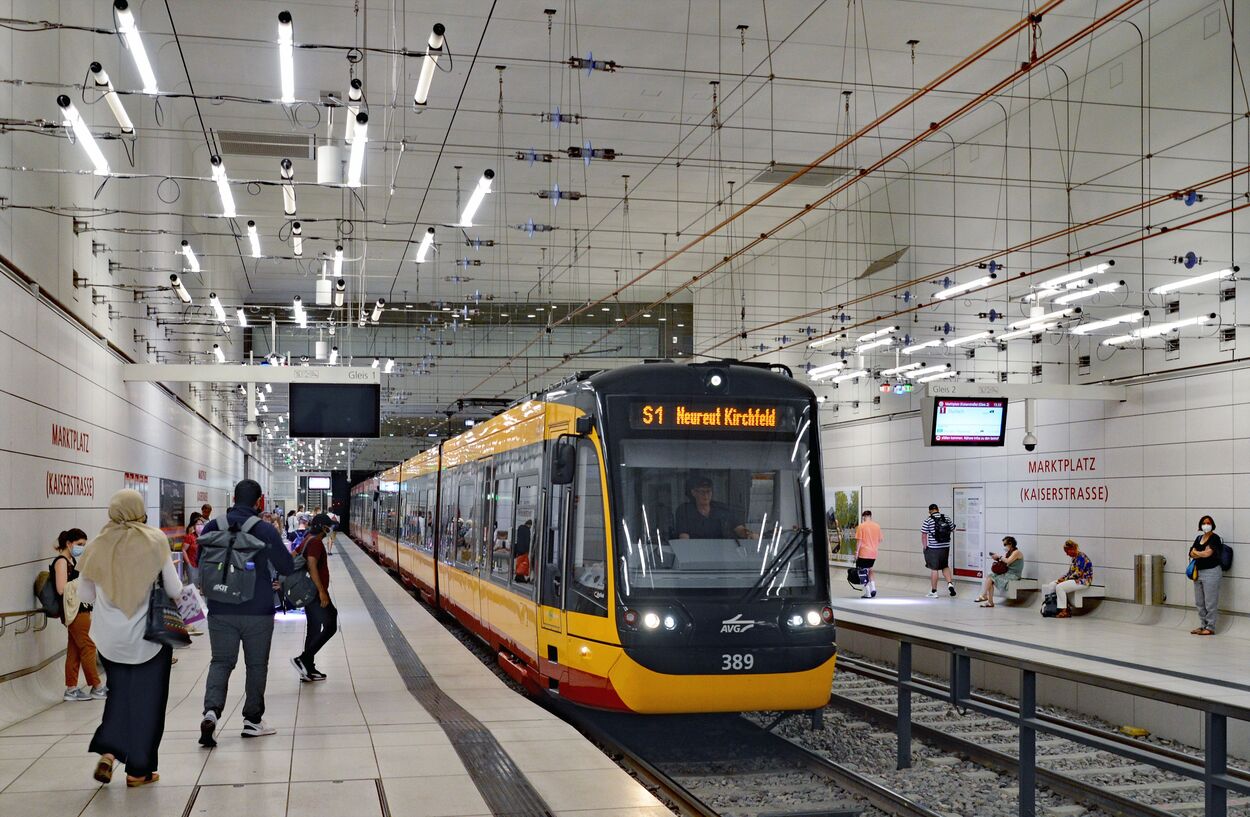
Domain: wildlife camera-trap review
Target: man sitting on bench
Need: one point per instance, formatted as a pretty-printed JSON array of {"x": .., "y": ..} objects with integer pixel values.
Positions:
[{"x": 1080, "y": 575}]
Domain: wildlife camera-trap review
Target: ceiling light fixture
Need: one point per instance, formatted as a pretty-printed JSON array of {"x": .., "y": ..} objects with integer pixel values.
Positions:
[
  {"x": 356, "y": 161},
  {"x": 1197, "y": 279},
  {"x": 1082, "y": 294},
  {"x": 193, "y": 263},
  {"x": 377, "y": 310},
  {"x": 475, "y": 200},
  {"x": 970, "y": 338},
  {"x": 433, "y": 51},
  {"x": 1067, "y": 278},
  {"x": 1031, "y": 329},
  {"x": 176, "y": 283},
  {"x": 287, "y": 168},
  {"x": 130, "y": 33},
  {"x": 967, "y": 286},
  {"x": 286, "y": 56},
  {"x": 105, "y": 87},
  {"x": 876, "y": 344},
  {"x": 932, "y": 377},
  {"x": 1086, "y": 328},
  {"x": 880, "y": 333},
  {"x": 928, "y": 370},
  {"x": 427, "y": 241},
  {"x": 223, "y": 187},
  {"x": 906, "y": 367},
  {"x": 221, "y": 356},
  {"x": 82, "y": 133},
  {"x": 297, "y": 238},
  {"x": 218, "y": 309},
  {"x": 253, "y": 238},
  {"x": 858, "y": 373},
  {"x": 916, "y": 347}
]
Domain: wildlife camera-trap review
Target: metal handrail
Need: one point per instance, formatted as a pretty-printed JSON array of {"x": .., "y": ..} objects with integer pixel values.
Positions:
[
  {"x": 35, "y": 620},
  {"x": 1214, "y": 771}
]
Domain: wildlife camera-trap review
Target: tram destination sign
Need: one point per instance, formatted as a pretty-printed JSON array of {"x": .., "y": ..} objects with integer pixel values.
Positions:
[{"x": 676, "y": 415}]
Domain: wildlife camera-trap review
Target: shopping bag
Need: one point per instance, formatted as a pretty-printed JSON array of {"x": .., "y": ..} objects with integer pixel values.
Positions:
[{"x": 191, "y": 604}]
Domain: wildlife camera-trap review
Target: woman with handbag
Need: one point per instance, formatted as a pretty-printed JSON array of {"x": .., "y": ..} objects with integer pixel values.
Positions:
[
  {"x": 1005, "y": 568},
  {"x": 123, "y": 570},
  {"x": 1205, "y": 556}
]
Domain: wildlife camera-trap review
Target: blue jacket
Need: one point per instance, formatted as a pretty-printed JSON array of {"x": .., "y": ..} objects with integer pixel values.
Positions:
[{"x": 275, "y": 555}]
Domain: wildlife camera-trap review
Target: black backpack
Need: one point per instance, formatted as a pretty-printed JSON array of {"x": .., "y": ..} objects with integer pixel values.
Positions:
[
  {"x": 942, "y": 529},
  {"x": 298, "y": 588},
  {"x": 228, "y": 561},
  {"x": 1050, "y": 606},
  {"x": 45, "y": 593},
  {"x": 1226, "y": 557}
]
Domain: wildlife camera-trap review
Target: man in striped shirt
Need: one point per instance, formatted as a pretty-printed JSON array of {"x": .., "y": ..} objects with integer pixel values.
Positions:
[{"x": 935, "y": 542}]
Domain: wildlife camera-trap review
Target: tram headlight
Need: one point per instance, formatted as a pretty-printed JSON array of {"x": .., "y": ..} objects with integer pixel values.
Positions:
[
  {"x": 651, "y": 621},
  {"x": 670, "y": 623},
  {"x": 813, "y": 618},
  {"x": 795, "y": 620}
]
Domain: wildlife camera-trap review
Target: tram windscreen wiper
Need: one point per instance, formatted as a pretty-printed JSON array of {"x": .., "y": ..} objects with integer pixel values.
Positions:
[{"x": 798, "y": 537}]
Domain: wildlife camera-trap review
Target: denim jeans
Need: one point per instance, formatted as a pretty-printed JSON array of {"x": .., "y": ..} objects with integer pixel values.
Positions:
[
  {"x": 323, "y": 623},
  {"x": 225, "y": 634}
]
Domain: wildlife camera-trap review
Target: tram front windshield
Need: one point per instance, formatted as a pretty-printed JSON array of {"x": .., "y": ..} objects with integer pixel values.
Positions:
[{"x": 716, "y": 511}]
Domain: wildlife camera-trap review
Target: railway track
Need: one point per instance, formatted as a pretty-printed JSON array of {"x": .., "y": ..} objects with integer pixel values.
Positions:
[
  {"x": 1086, "y": 776},
  {"x": 728, "y": 766}
]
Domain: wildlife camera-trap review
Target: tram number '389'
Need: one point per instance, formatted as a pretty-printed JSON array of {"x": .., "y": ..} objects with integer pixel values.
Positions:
[{"x": 736, "y": 661}]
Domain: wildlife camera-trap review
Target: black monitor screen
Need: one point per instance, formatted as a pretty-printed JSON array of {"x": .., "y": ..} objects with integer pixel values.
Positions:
[
  {"x": 334, "y": 410},
  {"x": 969, "y": 421}
]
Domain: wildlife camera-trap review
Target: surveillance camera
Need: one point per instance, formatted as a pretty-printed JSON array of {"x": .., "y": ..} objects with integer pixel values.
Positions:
[
  {"x": 252, "y": 432},
  {"x": 1030, "y": 441}
]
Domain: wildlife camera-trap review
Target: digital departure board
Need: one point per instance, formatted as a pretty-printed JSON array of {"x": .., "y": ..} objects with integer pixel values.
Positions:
[
  {"x": 969, "y": 421},
  {"x": 676, "y": 415}
]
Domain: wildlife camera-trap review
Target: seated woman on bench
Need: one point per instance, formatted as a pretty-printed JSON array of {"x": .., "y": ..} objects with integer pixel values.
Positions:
[{"x": 1013, "y": 561}]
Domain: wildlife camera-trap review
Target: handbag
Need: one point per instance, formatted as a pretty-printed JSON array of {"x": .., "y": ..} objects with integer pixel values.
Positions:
[
  {"x": 1050, "y": 606},
  {"x": 164, "y": 625},
  {"x": 191, "y": 605},
  {"x": 1191, "y": 570},
  {"x": 998, "y": 567},
  {"x": 852, "y": 578}
]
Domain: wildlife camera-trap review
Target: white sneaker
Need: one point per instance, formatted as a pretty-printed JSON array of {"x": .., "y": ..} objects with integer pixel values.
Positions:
[
  {"x": 76, "y": 694},
  {"x": 867, "y": 594},
  {"x": 99, "y": 693},
  {"x": 932, "y": 594},
  {"x": 257, "y": 730}
]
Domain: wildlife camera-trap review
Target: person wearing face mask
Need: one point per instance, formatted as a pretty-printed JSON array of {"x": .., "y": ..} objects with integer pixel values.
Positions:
[
  {"x": 76, "y": 616},
  {"x": 1207, "y": 552}
]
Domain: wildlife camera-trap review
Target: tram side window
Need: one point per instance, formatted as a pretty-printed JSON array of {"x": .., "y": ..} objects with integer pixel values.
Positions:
[
  {"x": 425, "y": 516},
  {"x": 449, "y": 519},
  {"x": 501, "y": 529},
  {"x": 588, "y": 591},
  {"x": 523, "y": 538},
  {"x": 466, "y": 520}
]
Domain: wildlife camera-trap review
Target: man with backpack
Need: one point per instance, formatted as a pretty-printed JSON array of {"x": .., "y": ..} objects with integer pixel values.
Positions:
[
  {"x": 236, "y": 553},
  {"x": 935, "y": 542},
  {"x": 321, "y": 615}
]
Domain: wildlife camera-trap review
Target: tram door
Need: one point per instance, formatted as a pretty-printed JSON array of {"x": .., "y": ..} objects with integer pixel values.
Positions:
[{"x": 551, "y": 574}]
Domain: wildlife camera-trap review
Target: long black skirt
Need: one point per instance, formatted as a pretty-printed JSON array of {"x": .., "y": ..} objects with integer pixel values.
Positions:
[{"x": 134, "y": 712}]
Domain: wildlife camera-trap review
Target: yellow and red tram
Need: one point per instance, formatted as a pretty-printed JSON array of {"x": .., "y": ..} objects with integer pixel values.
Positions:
[{"x": 647, "y": 539}]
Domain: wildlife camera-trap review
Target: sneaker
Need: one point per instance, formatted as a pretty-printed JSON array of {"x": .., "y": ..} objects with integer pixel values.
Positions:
[
  {"x": 932, "y": 594},
  {"x": 867, "y": 594},
  {"x": 874, "y": 594},
  {"x": 100, "y": 693},
  {"x": 194, "y": 631},
  {"x": 76, "y": 694},
  {"x": 950, "y": 588},
  {"x": 257, "y": 730},
  {"x": 316, "y": 674},
  {"x": 301, "y": 668},
  {"x": 207, "y": 727}
]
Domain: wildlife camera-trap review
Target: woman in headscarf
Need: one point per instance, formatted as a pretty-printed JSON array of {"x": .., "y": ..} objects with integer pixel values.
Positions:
[{"x": 118, "y": 570}]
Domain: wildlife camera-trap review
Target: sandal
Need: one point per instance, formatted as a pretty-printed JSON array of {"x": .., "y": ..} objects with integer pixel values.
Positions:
[
  {"x": 979, "y": 599},
  {"x": 136, "y": 782},
  {"x": 1205, "y": 631},
  {"x": 104, "y": 771},
  {"x": 1196, "y": 631},
  {"x": 988, "y": 605}
]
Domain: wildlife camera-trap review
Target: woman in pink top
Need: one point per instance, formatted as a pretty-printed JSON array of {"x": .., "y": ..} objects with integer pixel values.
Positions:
[{"x": 867, "y": 540}]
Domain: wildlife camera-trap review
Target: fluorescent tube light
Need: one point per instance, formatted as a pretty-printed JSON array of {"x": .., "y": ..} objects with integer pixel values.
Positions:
[
  {"x": 1066, "y": 278},
  {"x": 876, "y": 344},
  {"x": 1082, "y": 294},
  {"x": 377, "y": 310},
  {"x": 223, "y": 187},
  {"x": 932, "y": 377},
  {"x": 916, "y": 347},
  {"x": 221, "y": 356},
  {"x": 356, "y": 161},
  {"x": 427, "y": 241},
  {"x": 338, "y": 260},
  {"x": 970, "y": 338},
  {"x": 944, "y": 367},
  {"x": 820, "y": 372},
  {"x": 334, "y": 355},
  {"x": 339, "y": 286},
  {"x": 354, "y": 95},
  {"x": 287, "y": 168},
  {"x": 1031, "y": 329},
  {"x": 475, "y": 200},
  {"x": 1040, "y": 295},
  {"x": 82, "y": 133},
  {"x": 297, "y": 238},
  {"x": 181, "y": 291},
  {"x": 850, "y": 376},
  {"x": 880, "y": 333},
  {"x": 130, "y": 33},
  {"x": 104, "y": 86},
  {"x": 218, "y": 309},
  {"x": 193, "y": 263},
  {"x": 253, "y": 238},
  {"x": 906, "y": 367},
  {"x": 967, "y": 286},
  {"x": 286, "y": 56},
  {"x": 242, "y": 318},
  {"x": 390, "y": 365},
  {"x": 1044, "y": 317},
  {"x": 433, "y": 51},
  {"x": 1164, "y": 328},
  {"x": 1120, "y": 340},
  {"x": 825, "y": 341},
  {"x": 376, "y": 363},
  {"x": 1197, "y": 279},
  {"x": 1086, "y": 328}
]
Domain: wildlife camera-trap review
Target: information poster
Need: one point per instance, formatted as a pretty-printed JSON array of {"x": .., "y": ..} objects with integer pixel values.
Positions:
[
  {"x": 968, "y": 541},
  {"x": 841, "y": 518},
  {"x": 173, "y": 511}
]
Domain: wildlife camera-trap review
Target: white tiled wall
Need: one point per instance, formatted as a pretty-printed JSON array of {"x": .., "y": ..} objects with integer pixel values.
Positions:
[
  {"x": 1177, "y": 449},
  {"x": 52, "y": 371}
]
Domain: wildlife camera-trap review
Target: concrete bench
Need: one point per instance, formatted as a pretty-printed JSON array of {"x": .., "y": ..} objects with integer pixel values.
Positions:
[
  {"x": 1018, "y": 586},
  {"x": 1094, "y": 591}
]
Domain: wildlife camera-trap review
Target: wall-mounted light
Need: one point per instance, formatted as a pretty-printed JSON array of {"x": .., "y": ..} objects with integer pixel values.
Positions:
[
  {"x": 223, "y": 187},
  {"x": 218, "y": 309},
  {"x": 1082, "y": 294},
  {"x": 939, "y": 376},
  {"x": 297, "y": 238},
  {"x": 253, "y": 238},
  {"x": 338, "y": 260},
  {"x": 377, "y": 310},
  {"x": 1067, "y": 278},
  {"x": 967, "y": 286},
  {"x": 287, "y": 168},
  {"x": 825, "y": 341},
  {"x": 105, "y": 87},
  {"x": 390, "y": 365},
  {"x": 928, "y": 370},
  {"x": 475, "y": 200},
  {"x": 970, "y": 338},
  {"x": 916, "y": 347},
  {"x": 355, "y": 93},
  {"x": 423, "y": 249},
  {"x": 858, "y": 373},
  {"x": 130, "y": 33},
  {"x": 1197, "y": 279},
  {"x": 1044, "y": 317},
  {"x": 286, "y": 56},
  {"x": 242, "y": 318},
  {"x": 1086, "y": 328},
  {"x": 376, "y": 363},
  {"x": 828, "y": 370},
  {"x": 334, "y": 355},
  {"x": 906, "y": 367},
  {"x": 340, "y": 286},
  {"x": 82, "y": 133},
  {"x": 880, "y": 333},
  {"x": 193, "y": 263},
  {"x": 434, "y": 50},
  {"x": 181, "y": 291},
  {"x": 875, "y": 344},
  {"x": 221, "y": 356},
  {"x": 1031, "y": 329},
  {"x": 356, "y": 160}
]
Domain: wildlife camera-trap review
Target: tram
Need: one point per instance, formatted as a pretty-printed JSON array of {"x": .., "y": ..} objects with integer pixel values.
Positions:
[{"x": 647, "y": 539}]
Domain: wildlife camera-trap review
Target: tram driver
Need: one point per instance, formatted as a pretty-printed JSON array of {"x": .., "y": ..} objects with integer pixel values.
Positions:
[{"x": 704, "y": 518}]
